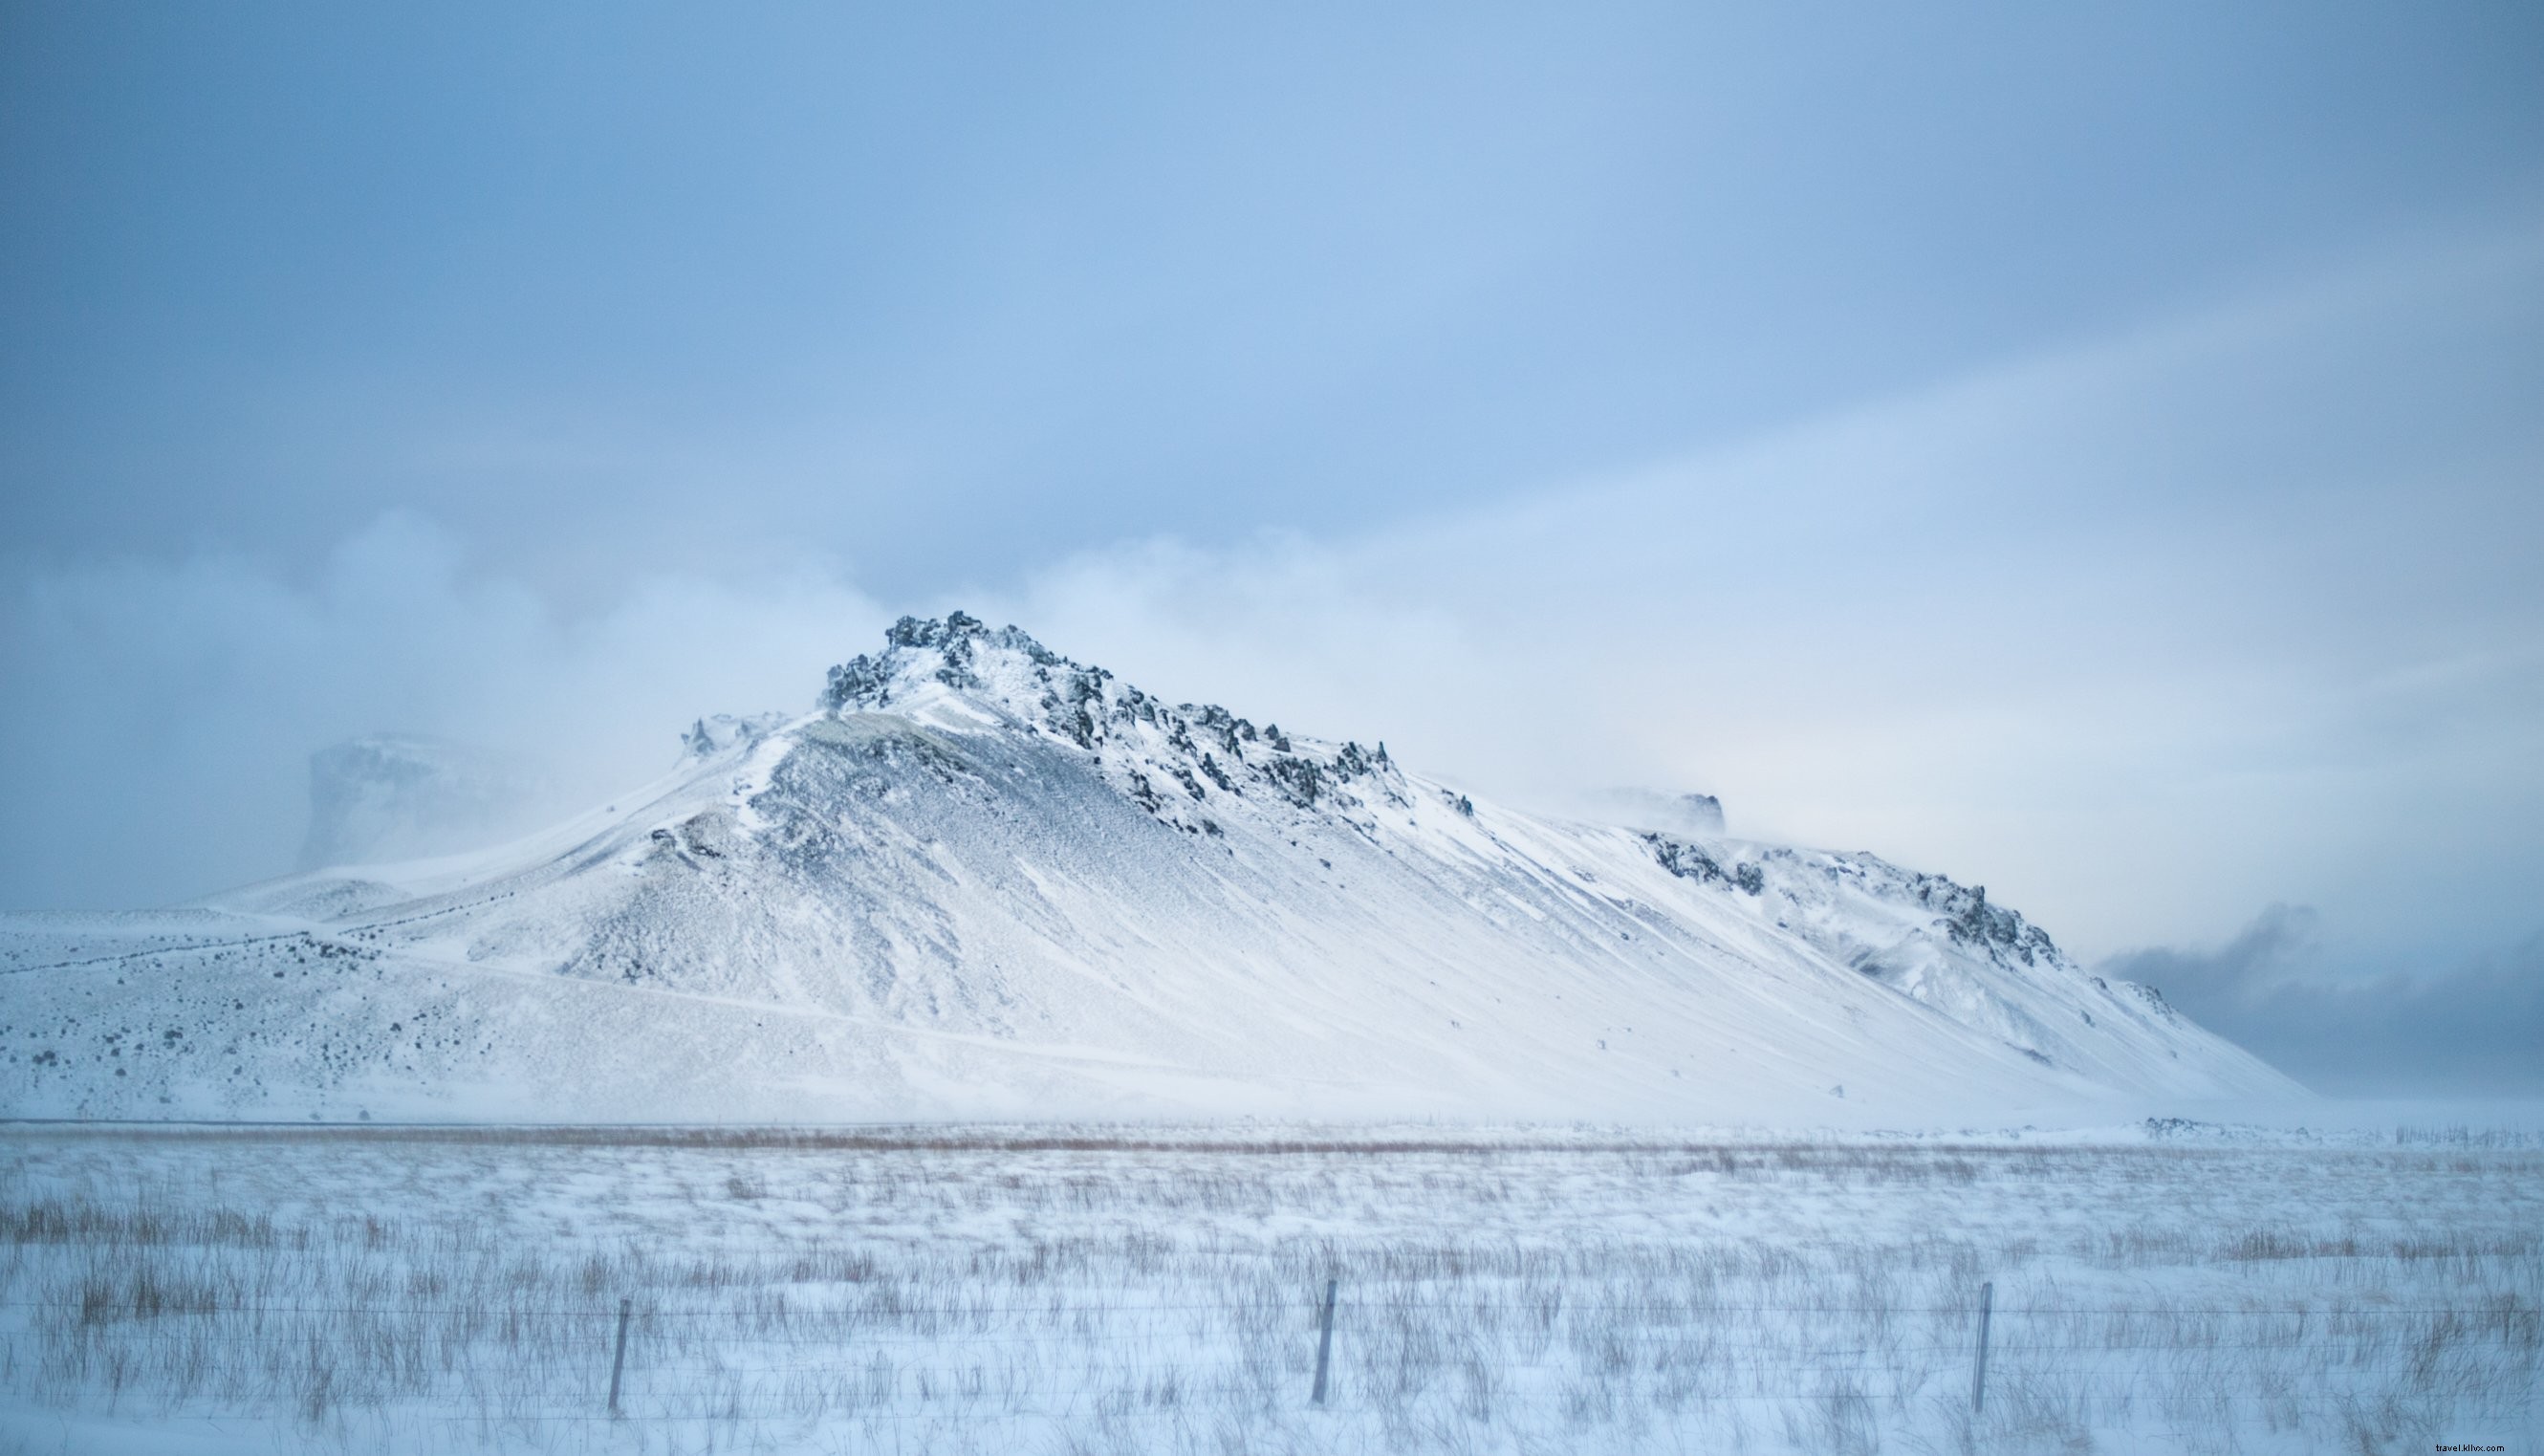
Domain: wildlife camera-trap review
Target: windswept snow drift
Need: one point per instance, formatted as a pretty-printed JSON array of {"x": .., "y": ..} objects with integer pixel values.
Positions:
[{"x": 981, "y": 879}]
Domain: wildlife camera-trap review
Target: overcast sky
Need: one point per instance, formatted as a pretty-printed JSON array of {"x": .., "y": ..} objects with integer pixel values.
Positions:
[{"x": 2094, "y": 451}]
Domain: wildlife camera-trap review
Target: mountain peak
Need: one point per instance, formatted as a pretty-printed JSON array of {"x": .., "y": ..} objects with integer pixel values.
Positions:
[
  {"x": 947, "y": 650},
  {"x": 955, "y": 667}
]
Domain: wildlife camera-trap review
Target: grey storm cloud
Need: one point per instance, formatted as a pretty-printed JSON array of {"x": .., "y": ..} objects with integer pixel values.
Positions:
[{"x": 2473, "y": 1028}]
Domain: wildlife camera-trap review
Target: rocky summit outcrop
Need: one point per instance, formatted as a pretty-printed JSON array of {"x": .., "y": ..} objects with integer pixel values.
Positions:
[{"x": 981, "y": 879}]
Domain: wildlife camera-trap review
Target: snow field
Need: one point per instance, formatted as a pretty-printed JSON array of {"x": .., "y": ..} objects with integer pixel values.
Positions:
[{"x": 1011, "y": 1290}]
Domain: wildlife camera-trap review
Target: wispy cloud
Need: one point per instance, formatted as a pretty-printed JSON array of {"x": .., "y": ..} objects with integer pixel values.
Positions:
[{"x": 2141, "y": 634}]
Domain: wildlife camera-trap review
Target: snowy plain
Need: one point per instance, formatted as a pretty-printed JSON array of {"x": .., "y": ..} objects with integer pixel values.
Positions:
[{"x": 1159, "y": 1289}]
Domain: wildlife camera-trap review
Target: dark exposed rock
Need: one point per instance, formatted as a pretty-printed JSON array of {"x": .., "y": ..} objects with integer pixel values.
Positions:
[
  {"x": 2003, "y": 934},
  {"x": 957, "y": 672},
  {"x": 1299, "y": 778},
  {"x": 1690, "y": 862},
  {"x": 725, "y": 731},
  {"x": 859, "y": 682},
  {"x": 1684, "y": 860}
]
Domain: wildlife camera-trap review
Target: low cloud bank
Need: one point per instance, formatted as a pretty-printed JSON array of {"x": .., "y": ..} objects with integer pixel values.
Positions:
[
  {"x": 161, "y": 717},
  {"x": 2473, "y": 1029}
]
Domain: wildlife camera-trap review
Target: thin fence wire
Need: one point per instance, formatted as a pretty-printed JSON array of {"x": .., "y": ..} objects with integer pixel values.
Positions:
[
  {"x": 668, "y": 1341},
  {"x": 609, "y": 1309}
]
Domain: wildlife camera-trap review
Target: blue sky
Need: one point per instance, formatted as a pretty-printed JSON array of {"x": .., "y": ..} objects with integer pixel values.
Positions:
[{"x": 2092, "y": 451}]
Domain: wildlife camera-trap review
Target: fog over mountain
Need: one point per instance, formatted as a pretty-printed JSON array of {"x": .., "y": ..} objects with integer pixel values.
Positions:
[{"x": 392, "y": 796}]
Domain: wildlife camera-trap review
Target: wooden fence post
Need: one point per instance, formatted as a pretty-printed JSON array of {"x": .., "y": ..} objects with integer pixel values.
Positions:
[
  {"x": 618, "y": 1363},
  {"x": 1324, "y": 1345},
  {"x": 1978, "y": 1377}
]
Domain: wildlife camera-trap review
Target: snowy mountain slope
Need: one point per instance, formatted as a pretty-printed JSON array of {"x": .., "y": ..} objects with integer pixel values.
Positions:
[{"x": 981, "y": 879}]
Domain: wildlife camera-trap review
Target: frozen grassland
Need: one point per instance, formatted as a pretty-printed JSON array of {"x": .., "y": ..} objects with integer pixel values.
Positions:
[{"x": 1018, "y": 1290}]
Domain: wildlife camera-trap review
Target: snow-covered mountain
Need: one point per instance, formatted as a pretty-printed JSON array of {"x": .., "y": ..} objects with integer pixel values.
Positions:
[{"x": 981, "y": 879}]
